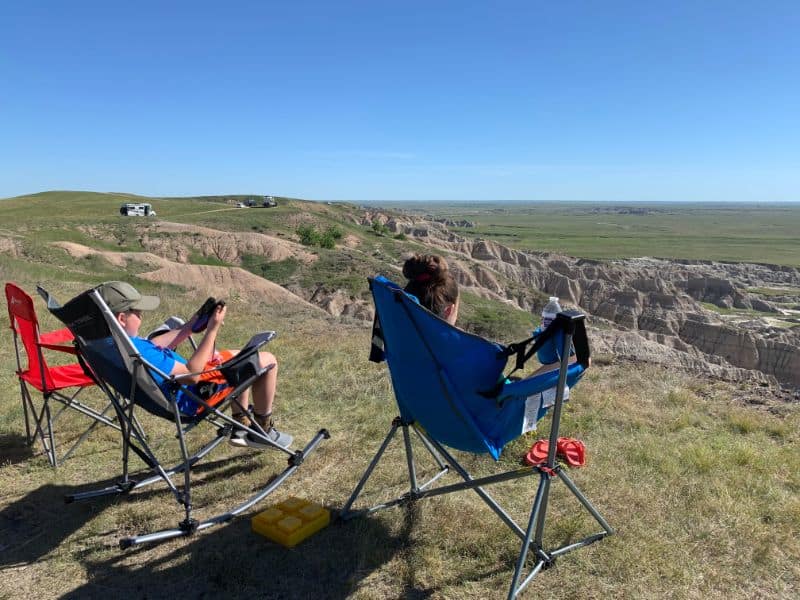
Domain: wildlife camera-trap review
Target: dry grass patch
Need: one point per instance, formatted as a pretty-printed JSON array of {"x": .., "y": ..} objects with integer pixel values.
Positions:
[{"x": 703, "y": 493}]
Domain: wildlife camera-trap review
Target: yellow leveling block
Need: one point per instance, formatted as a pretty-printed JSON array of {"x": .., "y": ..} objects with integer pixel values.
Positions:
[{"x": 291, "y": 521}]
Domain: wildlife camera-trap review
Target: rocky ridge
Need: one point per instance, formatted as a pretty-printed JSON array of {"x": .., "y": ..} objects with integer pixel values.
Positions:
[
  {"x": 649, "y": 309},
  {"x": 643, "y": 309}
]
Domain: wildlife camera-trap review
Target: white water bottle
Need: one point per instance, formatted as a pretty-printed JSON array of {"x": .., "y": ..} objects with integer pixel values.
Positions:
[{"x": 551, "y": 309}]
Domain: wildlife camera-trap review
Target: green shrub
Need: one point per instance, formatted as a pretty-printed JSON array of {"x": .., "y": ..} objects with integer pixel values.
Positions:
[
  {"x": 308, "y": 234},
  {"x": 196, "y": 258},
  {"x": 379, "y": 228},
  {"x": 279, "y": 272},
  {"x": 329, "y": 237},
  {"x": 493, "y": 320}
]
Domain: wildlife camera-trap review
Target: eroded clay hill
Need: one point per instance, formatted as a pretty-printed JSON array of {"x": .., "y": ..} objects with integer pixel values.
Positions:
[
  {"x": 641, "y": 309},
  {"x": 652, "y": 308},
  {"x": 206, "y": 280}
]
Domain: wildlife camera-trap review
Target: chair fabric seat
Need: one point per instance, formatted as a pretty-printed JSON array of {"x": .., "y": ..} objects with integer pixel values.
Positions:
[
  {"x": 58, "y": 378},
  {"x": 441, "y": 374}
]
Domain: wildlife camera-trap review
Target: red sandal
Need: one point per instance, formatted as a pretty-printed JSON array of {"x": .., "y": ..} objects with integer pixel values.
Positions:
[{"x": 571, "y": 450}]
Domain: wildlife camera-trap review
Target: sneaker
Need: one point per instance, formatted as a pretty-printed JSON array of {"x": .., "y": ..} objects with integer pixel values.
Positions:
[
  {"x": 238, "y": 434},
  {"x": 284, "y": 440}
]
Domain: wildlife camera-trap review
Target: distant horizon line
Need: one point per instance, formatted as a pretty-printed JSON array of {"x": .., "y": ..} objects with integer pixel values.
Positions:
[
  {"x": 590, "y": 201},
  {"x": 420, "y": 201}
]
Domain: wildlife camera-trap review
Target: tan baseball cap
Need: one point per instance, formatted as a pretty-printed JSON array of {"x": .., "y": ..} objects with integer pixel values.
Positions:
[{"x": 120, "y": 296}]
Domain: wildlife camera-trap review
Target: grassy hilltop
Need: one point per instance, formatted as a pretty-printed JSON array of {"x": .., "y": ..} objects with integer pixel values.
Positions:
[{"x": 702, "y": 485}]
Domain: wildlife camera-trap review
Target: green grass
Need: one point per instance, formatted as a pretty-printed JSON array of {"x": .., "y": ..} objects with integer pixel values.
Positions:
[
  {"x": 702, "y": 488},
  {"x": 676, "y": 473},
  {"x": 494, "y": 320},
  {"x": 727, "y": 232},
  {"x": 734, "y": 311},
  {"x": 279, "y": 272},
  {"x": 773, "y": 292}
]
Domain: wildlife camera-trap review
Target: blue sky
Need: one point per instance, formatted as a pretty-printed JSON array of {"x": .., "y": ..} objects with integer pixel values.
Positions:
[{"x": 621, "y": 101}]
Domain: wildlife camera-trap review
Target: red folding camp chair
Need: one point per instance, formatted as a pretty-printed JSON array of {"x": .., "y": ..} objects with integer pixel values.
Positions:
[{"x": 62, "y": 383}]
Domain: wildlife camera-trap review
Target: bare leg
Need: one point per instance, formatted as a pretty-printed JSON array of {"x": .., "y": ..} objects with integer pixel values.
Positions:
[
  {"x": 263, "y": 399},
  {"x": 265, "y": 386},
  {"x": 244, "y": 398},
  {"x": 550, "y": 367}
]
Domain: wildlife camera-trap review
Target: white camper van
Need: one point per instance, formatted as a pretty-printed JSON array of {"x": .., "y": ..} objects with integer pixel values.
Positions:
[{"x": 137, "y": 210}]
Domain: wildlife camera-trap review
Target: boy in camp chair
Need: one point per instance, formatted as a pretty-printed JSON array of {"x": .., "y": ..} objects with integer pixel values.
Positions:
[{"x": 127, "y": 305}]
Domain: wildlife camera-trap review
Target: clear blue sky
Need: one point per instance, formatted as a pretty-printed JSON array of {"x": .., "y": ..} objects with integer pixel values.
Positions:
[{"x": 367, "y": 100}]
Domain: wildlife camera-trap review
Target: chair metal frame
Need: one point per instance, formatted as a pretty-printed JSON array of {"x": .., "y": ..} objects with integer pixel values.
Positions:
[
  {"x": 532, "y": 537},
  {"x": 48, "y": 380},
  {"x": 142, "y": 388}
]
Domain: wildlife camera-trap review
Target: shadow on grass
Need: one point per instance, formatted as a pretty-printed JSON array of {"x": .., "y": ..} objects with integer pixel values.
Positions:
[
  {"x": 226, "y": 561},
  {"x": 39, "y": 522},
  {"x": 14, "y": 448},
  {"x": 33, "y": 526},
  {"x": 232, "y": 562}
]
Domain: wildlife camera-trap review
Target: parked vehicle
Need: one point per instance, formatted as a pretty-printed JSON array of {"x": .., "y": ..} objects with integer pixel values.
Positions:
[{"x": 142, "y": 209}]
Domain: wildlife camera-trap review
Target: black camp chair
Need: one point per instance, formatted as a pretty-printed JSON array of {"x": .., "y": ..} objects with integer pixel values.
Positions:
[
  {"x": 108, "y": 354},
  {"x": 451, "y": 391}
]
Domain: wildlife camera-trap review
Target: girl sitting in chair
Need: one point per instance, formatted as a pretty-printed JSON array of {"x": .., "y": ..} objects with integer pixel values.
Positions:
[{"x": 433, "y": 284}]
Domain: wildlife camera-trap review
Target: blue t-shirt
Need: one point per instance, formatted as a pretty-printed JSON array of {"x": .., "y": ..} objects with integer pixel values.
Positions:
[{"x": 164, "y": 360}]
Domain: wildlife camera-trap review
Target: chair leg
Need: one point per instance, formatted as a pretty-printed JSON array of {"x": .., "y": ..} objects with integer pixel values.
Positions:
[
  {"x": 189, "y": 527},
  {"x": 84, "y": 435},
  {"x": 532, "y": 544},
  {"x": 45, "y": 434},
  {"x": 534, "y": 521},
  {"x": 531, "y": 537},
  {"x": 51, "y": 435},
  {"x": 27, "y": 404},
  {"x": 415, "y": 488},
  {"x": 345, "y": 512}
]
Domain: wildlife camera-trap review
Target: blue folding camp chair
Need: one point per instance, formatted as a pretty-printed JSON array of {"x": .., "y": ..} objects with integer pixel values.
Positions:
[
  {"x": 129, "y": 381},
  {"x": 451, "y": 391}
]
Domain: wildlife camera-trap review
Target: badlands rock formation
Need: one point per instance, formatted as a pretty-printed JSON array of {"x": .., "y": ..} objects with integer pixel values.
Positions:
[
  {"x": 206, "y": 280},
  {"x": 176, "y": 241},
  {"x": 651, "y": 308},
  {"x": 641, "y": 309}
]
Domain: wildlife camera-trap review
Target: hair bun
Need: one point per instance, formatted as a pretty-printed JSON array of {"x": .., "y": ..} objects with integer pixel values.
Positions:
[{"x": 422, "y": 267}]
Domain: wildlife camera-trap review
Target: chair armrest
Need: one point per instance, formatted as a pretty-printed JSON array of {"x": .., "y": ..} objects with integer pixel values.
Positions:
[
  {"x": 245, "y": 364},
  {"x": 56, "y": 337},
  {"x": 66, "y": 348},
  {"x": 235, "y": 369},
  {"x": 57, "y": 340}
]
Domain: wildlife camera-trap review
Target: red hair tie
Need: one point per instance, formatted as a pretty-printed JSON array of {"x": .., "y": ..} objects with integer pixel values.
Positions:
[{"x": 422, "y": 277}]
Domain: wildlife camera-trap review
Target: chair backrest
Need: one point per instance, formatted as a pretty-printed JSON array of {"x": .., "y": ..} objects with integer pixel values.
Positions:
[
  {"x": 440, "y": 375},
  {"x": 108, "y": 352},
  {"x": 25, "y": 326}
]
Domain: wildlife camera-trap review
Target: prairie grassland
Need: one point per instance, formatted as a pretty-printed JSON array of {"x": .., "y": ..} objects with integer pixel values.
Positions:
[
  {"x": 703, "y": 492},
  {"x": 759, "y": 233},
  {"x": 703, "y": 488}
]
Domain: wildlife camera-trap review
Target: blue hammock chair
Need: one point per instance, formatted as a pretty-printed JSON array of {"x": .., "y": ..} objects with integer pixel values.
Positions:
[{"x": 451, "y": 391}]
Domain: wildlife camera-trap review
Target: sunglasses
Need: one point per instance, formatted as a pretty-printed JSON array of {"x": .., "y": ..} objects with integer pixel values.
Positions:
[{"x": 135, "y": 311}]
